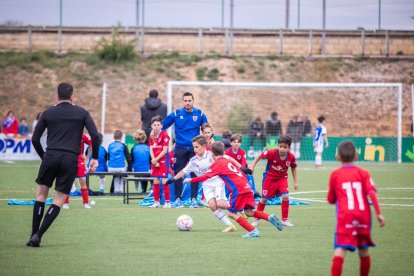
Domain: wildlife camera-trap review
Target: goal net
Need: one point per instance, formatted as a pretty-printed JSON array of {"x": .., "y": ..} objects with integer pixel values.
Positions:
[{"x": 369, "y": 114}]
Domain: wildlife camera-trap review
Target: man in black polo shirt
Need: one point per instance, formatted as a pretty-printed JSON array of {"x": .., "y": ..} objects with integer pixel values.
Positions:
[{"x": 64, "y": 123}]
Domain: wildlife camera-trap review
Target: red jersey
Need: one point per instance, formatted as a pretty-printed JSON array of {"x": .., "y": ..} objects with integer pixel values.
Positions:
[
  {"x": 163, "y": 140},
  {"x": 85, "y": 140},
  {"x": 348, "y": 188},
  {"x": 234, "y": 179},
  {"x": 277, "y": 167},
  {"x": 239, "y": 156}
]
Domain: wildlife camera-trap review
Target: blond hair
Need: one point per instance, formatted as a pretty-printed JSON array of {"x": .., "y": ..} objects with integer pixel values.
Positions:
[{"x": 140, "y": 136}]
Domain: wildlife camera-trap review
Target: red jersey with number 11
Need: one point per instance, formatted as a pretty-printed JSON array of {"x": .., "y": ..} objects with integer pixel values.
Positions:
[{"x": 348, "y": 188}]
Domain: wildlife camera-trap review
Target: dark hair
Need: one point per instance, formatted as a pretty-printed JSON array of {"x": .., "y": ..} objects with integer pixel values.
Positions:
[
  {"x": 321, "y": 119},
  {"x": 217, "y": 148},
  {"x": 206, "y": 125},
  {"x": 284, "y": 139},
  {"x": 8, "y": 113},
  {"x": 274, "y": 113},
  {"x": 236, "y": 137},
  {"x": 23, "y": 118},
  {"x": 186, "y": 94},
  {"x": 153, "y": 93},
  {"x": 346, "y": 151},
  {"x": 117, "y": 134},
  {"x": 227, "y": 134},
  {"x": 65, "y": 91},
  {"x": 157, "y": 118},
  {"x": 200, "y": 139}
]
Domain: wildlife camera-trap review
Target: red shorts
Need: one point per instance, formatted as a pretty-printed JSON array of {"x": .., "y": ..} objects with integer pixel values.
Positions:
[
  {"x": 160, "y": 171},
  {"x": 241, "y": 202},
  {"x": 352, "y": 242},
  {"x": 274, "y": 187},
  {"x": 81, "y": 168}
]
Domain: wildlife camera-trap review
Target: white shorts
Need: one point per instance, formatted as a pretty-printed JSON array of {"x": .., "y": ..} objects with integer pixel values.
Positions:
[{"x": 214, "y": 188}]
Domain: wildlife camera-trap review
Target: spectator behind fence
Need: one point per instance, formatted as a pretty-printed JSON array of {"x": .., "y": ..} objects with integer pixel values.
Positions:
[
  {"x": 307, "y": 126},
  {"x": 151, "y": 108},
  {"x": 273, "y": 125},
  {"x": 187, "y": 122},
  {"x": 295, "y": 131},
  {"x": 256, "y": 132},
  {"x": 225, "y": 139},
  {"x": 117, "y": 154},
  {"x": 10, "y": 125},
  {"x": 23, "y": 127}
]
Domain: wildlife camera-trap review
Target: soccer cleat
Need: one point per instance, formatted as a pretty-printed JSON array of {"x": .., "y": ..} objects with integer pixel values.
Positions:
[
  {"x": 276, "y": 222},
  {"x": 255, "y": 222},
  {"x": 287, "y": 223},
  {"x": 86, "y": 206},
  {"x": 252, "y": 234},
  {"x": 230, "y": 228},
  {"x": 34, "y": 241},
  {"x": 65, "y": 206},
  {"x": 193, "y": 203},
  {"x": 167, "y": 205},
  {"x": 177, "y": 204},
  {"x": 155, "y": 205}
]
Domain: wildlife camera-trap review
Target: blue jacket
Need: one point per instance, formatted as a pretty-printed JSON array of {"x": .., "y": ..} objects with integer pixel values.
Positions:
[
  {"x": 141, "y": 157},
  {"x": 102, "y": 159},
  {"x": 187, "y": 125},
  {"x": 117, "y": 154}
]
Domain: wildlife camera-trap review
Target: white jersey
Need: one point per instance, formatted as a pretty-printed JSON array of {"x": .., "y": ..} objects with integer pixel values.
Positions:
[
  {"x": 200, "y": 165},
  {"x": 320, "y": 133}
]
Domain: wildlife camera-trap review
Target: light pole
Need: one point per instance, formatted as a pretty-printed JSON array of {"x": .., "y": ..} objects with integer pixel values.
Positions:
[
  {"x": 323, "y": 26},
  {"x": 298, "y": 14}
]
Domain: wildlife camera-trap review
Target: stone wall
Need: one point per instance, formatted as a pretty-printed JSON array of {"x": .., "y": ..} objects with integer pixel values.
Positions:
[{"x": 204, "y": 41}]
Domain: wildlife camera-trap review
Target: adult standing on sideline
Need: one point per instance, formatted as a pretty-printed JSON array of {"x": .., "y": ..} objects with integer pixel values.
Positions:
[
  {"x": 273, "y": 125},
  {"x": 295, "y": 131},
  {"x": 151, "y": 108},
  {"x": 187, "y": 123},
  {"x": 256, "y": 132},
  {"x": 65, "y": 123}
]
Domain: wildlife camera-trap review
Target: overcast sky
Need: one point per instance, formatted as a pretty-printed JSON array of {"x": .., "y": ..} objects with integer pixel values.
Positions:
[{"x": 263, "y": 14}]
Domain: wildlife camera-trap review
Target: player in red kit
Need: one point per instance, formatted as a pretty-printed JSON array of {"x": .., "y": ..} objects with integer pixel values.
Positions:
[
  {"x": 349, "y": 188},
  {"x": 159, "y": 142},
  {"x": 275, "y": 180},
  {"x": 241, "y": 195},
  {"x": 81, "y": 174},
  {"x": 236, "y": 151}
]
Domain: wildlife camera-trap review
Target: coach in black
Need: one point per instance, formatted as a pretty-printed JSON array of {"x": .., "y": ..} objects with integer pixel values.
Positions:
[{"x": 64, "y": 123}]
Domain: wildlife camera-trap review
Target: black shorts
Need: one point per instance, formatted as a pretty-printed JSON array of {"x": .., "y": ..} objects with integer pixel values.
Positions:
[{"x": 58, "y": 165}]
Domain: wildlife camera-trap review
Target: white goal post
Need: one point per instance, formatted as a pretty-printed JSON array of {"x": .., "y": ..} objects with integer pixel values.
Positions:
[{"x": 396, "y": 86}]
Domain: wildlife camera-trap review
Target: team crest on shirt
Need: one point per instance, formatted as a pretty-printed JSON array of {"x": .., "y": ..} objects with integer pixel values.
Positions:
[
  {"x": 195, "y": 118},
  {"x": 238, "y": 157},
  {"x": 181, "y": 117},
  {"x": 265, "y": 152},
  {"x": 165, "y": 139},
  {"x": 288, "y": 164},
  {"x": 264, "y": 192}
]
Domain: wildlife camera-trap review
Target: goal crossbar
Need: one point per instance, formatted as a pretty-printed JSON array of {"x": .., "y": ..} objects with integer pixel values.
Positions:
[{"x": 397, "y": 86}]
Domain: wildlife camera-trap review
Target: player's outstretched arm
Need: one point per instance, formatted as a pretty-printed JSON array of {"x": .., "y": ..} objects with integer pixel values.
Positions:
[
  {"x": 253, "y": 165},
  {"x": 295, "y": 178},
  {"x": 176, "y": 177}
]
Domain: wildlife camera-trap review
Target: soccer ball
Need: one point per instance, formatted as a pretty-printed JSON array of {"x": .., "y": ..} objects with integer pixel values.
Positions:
[{"x": 184, "y": 223}]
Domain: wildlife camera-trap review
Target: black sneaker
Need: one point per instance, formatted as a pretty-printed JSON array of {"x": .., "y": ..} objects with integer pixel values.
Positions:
[{"x": 34, "y": 241}]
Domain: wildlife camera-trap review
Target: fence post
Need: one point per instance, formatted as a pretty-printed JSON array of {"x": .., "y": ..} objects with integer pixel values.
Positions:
[
  {"x": 362, "y": 42},
  {"x": 141, "y": 48},
  {"x": 60, "y": 39},
  {"x": 200, "y": 41},
  {"x": 226, "y": 41},
  {"x": 280, "y": 42},
  {"x": 387, "y": 44},
  {"x": 29, "y": 33},
  {"x": 310, "y": 43}
]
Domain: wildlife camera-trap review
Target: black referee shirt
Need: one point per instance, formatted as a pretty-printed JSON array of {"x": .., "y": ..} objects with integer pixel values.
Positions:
[{"x": 65, "y": 123}]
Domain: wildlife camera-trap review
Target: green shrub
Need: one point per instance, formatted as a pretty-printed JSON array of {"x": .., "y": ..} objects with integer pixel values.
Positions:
[
  {"x": 116, "y": 49},
  {"x": 239, "y": 118},
  {"x": 200, "y": 73},
  {"x": 213, "y": 74}
]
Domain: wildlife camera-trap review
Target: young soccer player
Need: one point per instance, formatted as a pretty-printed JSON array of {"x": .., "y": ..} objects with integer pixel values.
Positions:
[
  {"x": 235, "y": 151},
  {"x": 102, "y": 166},
  {"x": 349, "y": 188},
  {"x": 275, "y": 180},
  {"x": 81, "y": 174},
  {"x": 207, "y": 131},
  {"x": 159, "y": 142},
  {"x": 320, "y": 140},
  {"x": 141, "y": 158},
  {"x": 241, "y": 195},
  {"x": 117, "y": 154},
  {"x": 213, "y": 189}
]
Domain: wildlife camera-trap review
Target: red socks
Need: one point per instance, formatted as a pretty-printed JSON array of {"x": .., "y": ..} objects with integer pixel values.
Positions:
[
  {"x": 261, "y": 215},
  {"x": 336, "y": 268},
  {"x": 67, "y": 199},
  {"x": 245, "y": 224},
  {"x": 85, "y": 195},
  {"x": 364, "y": 265},
  {"x": 285, "y": 209},
  {"x": 166, "y": 192},
  {"x": 260, "y": 206},
  {"x": 156, "y": 192}
]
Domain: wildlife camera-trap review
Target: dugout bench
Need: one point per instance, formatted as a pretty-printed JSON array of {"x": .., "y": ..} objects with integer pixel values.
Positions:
[{"x": 127, "y": 177}]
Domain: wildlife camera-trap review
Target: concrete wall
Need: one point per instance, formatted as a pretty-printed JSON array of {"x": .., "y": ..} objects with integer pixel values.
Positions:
[{"x": 204, "y": 41}]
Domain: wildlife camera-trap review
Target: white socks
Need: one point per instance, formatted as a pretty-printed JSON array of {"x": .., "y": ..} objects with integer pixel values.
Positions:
[{"x": 222, "y": 217}]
